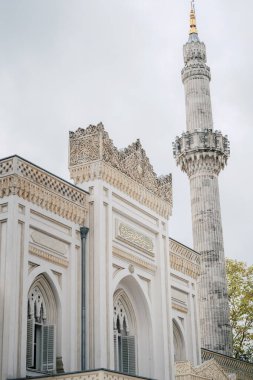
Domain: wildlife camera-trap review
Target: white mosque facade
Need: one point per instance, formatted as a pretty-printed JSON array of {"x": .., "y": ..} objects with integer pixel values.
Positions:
[{"x": 91, "y": 284}]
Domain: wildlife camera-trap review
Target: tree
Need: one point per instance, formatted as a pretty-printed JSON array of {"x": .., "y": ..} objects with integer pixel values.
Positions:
[{"x": 240, "y": 294}]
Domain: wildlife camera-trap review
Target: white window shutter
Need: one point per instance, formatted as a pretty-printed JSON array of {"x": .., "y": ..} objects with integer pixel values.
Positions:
[
  {"x": 30, "y": 343},
  {"x": 131, "y": 355},
  {"x": 48, "y": 348},
  {"x": 128, "y": 355},
  {"x": 125, "y": 356},
  {"x": 116, "y": 349}
]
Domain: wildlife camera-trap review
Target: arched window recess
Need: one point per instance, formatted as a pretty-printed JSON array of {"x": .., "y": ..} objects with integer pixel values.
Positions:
[
  {"x": 124, "y": 336},
  {"x": 41, "y": 320}
]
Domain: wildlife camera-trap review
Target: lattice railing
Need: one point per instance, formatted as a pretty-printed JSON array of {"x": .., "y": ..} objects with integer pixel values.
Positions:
[
  {"x": 30, "y": 182},
  {"x": 91, "y": 375},
  {"x": 242, "y": 369}
]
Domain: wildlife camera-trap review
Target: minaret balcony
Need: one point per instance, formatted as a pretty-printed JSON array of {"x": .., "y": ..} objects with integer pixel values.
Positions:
[
  {"x": 202, "y": 146},
  {"x": 199, "y": 140}
]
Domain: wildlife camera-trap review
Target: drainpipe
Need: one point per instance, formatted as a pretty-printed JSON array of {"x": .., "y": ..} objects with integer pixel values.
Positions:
[{"x": 84, "y": 232}]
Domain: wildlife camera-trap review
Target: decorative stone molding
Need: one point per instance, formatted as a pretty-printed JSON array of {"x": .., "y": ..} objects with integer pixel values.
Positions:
[
  {"x": 184, "y": 259},
  {"x": 195, "y": 61},
  {"x": 47, "y": 256},
  {"x": 197, "y": 70},
  {"x": 90, "y": 375},
  {"x": 194, "y": 52},
  {"x": 180, "y": 308},
  {"x": 207, "y": 371},
  {"x": 50, "y": 242},
  {"x": 6, "y": 166},
  {"x": 133, "y": 259},
  {"x": 29, "y": 182},
  {"x": 135, "y": 238},
  {"x": 92, "y": 155},
  {"x": 201, "y": 151},
  {"x": 212, "y": 370},
  {"x": 242, "y": 369}
]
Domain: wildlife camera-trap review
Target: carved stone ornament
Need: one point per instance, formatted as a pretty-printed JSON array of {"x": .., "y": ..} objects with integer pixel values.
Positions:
[
  {"x": 47, "y": 256},
  {"x": 131, "y": 268},
  {"x": 136, "y": 238},
  {"x": 136, "y": 259},
  {"x": 27, "y": 181},
  {"x": 237, "y": 369},
  {"x": 201, "y": 151},
  {"x": 209, "y": 370},
  {"x": 92, "y": 155},
  {"x": 184, "y": 259}
]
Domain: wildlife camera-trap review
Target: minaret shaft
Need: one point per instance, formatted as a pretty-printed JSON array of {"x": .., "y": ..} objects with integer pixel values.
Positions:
[
  {"x": 208, "y": 241},
  {"x": 202, "y": 153},
  {"x": 198, "y": 104}
]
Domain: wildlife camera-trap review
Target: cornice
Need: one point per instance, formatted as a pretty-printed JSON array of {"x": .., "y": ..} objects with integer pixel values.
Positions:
[
  {"x": 18, "y": 177},
  {"x": 184, "y": 259},
  {"x": 134, "y": 259},
  {"x": 180, "y": 308},
  {"x": 48, "y": 256}
]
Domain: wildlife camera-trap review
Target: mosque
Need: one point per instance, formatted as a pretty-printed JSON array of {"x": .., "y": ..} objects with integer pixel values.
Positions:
[{"x": 92, "y": 284}]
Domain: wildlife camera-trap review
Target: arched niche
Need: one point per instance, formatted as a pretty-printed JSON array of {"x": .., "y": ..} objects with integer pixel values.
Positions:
[
  {"x": 42, "y": 323},
  {"x": 137, "y": 315},
  {"x": 178, "y": 342}
]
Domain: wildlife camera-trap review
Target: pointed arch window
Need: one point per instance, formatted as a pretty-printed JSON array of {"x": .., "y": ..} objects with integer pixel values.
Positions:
[
  {"x": 124, "y": 339},
  {"x": 40, "y": 351}
]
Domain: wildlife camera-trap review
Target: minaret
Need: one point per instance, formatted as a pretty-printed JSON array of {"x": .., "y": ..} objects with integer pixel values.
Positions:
[{"x": 202, "y": 153}]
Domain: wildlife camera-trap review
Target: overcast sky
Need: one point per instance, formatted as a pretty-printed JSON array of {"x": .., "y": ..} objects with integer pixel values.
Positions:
[{"x": 66, "y": 64}]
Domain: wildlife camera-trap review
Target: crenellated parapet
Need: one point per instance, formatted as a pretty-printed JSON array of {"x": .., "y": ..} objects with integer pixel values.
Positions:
[
  {"x": 201, "y": 151},
  {"x": 92, "y": 155}
]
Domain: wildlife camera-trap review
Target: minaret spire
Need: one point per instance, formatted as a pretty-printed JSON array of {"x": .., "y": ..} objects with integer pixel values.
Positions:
[
  {"x": 202, "y": 153},
  {"x": 193, "y": 24}
]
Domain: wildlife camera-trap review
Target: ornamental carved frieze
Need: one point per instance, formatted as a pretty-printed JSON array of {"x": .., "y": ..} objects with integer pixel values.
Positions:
[
  {"x": 130, "y": 258},
  {"x": 209, "y": 370},
  {"x": 197, "y": 71},
  {"x": 203, "y": 151},
  {"x": 31, "y": 183},
  {"x": 184, "y": 259},
  {"x": 90, "y": 146},
  {"x": 48, "y": 256},
  {"x": 134, "y": 237}
]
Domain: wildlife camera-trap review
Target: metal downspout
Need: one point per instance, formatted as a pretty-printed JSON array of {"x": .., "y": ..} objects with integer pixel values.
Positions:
[{"x": 83, "y": 231}]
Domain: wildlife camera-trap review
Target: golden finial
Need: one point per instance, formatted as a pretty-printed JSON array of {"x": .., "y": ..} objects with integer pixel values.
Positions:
[{"x": 193, "y": 25}]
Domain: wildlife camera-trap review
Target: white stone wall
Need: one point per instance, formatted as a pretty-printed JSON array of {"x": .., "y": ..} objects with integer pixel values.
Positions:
[
  {"x": 35, "y": 242},
  {"x": 128, "y": 250}
]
